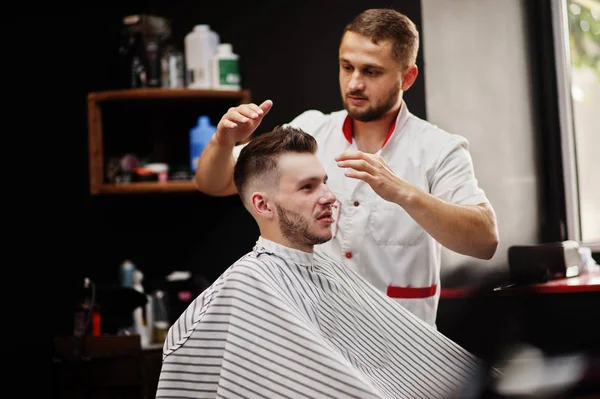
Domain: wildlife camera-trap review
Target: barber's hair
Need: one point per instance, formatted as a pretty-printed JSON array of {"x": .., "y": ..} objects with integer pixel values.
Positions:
[
  {"x": 386, "y": 24},
  {"x": 258, "y": 159}
]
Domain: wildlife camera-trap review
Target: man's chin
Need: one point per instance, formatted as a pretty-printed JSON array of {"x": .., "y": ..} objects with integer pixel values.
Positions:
[
  {"x": 323, "y": 239},
  {"x": 358, "y": 115}
]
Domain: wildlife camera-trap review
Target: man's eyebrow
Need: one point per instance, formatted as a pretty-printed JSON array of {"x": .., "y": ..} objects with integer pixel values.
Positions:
[
  {"x": 365, "y": 66},
  {"x": 311, "y": 179}
]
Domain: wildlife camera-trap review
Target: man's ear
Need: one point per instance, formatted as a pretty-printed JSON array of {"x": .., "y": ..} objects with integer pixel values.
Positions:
[
  {"x": 261, "y": 205},
  {"x": 410, "y": 75}
]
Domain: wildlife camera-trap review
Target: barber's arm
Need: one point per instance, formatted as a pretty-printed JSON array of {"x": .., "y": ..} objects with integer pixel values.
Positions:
[
  {"x": 466, "y": 229},
  {"x": 214, "y": 174}
]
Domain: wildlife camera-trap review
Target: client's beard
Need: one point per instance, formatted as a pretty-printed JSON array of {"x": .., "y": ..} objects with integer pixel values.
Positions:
[{"x": 296, "y": 228}]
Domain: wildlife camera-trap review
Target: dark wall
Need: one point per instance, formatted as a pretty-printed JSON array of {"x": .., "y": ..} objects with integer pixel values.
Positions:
[{"x": 288, "y": 53}]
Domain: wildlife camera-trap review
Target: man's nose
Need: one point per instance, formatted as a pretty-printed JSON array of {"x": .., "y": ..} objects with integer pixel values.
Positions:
[
  {"x": 328, "y": 197},
  {"x": 356, "y": 83}
]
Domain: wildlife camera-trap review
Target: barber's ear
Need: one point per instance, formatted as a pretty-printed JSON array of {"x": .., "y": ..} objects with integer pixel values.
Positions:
[
  {"x": 410, "y": 75},
  {"x": 262, "y": 205}
]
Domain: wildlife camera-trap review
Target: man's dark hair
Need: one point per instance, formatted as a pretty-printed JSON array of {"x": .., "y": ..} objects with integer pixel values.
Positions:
[
  {"x": 386, "y": 24},
  {"x": 258, "y": 159}
]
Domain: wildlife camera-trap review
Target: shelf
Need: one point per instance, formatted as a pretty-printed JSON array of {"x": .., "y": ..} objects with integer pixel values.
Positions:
[
  {"x": 148, "y": 187},
  {"x": 242, "y": 96},
  {"x": 156, "y": 118}
]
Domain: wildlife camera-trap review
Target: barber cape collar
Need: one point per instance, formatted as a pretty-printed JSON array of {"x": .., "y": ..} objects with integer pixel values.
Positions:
[{"x": 265, "y": 246}]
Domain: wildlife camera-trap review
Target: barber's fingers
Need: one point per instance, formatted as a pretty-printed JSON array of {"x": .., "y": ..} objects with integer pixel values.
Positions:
[
  {"x": 266, "y": 106},
  {"x": 358, "y": 164},
  {"x": 355, "y": 154},
  {"x": 246, "y": 112},
  {"x": 239, "y": 116},
  {"x": 364, "y": 176},
  {"x": 243, "y": 111},
  {"x": 256, "y": 112},
  {"x": 240, "y": 122},
  {"x": 228, "y": 124}
]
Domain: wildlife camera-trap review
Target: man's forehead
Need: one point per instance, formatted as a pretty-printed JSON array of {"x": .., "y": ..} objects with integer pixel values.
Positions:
[
  {"x": 295, "y": 167},
  {"x": 356, "y": 48}
]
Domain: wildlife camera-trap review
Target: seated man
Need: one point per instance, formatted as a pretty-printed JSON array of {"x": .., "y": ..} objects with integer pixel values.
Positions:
[{"x": 286, "y": 322}]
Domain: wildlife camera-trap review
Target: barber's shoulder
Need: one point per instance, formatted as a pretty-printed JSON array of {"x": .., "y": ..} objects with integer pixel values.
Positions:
[{"x": 434, "y": 137}]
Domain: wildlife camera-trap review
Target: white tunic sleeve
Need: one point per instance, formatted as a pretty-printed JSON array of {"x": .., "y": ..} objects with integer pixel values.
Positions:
[{"x": 454, "y": 177}]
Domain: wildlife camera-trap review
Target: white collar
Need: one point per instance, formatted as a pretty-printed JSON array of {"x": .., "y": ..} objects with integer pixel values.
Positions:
[{"x": 264, "y": 245}]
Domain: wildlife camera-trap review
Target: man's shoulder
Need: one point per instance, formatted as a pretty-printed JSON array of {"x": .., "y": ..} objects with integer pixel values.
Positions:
[
  {"x": 432, "y": 136},
  {"x": 250, "y": 266},
  {"x": 425, "y": 127}
]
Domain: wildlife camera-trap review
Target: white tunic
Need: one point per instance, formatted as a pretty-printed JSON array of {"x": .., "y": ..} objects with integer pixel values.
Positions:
[
  {"x": 280, "y": 323},
  {"x": 376, "y": 238}
]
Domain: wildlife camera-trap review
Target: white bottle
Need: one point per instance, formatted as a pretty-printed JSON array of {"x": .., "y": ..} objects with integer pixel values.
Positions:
[
  {"x": 226, "y": 69},
  {"x": 200, "y": 46},
  {"x": 142, "y": 317}
]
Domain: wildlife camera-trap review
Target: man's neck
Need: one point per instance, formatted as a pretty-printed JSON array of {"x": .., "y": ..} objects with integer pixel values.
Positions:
[
  {"x": 370, "y": 136},
  {"x": 282, "y": 240}
]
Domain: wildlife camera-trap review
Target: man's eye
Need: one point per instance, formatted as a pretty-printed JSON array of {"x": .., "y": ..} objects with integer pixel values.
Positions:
[{"x": 306, "y": 187}]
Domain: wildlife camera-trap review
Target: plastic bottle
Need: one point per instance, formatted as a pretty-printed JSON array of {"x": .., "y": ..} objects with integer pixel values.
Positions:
[
  {"x": 142, "y": 315},
  {"x": 160, "y": 317},
  {"x": 200, "y": 135},
  {"x": 200, "y": 46},
  {"x": 126, "y": 271},
  {"x": 172, "y": 68},
  {"x": 226, "y": 70},
  {"x": 87, "y": 316}
]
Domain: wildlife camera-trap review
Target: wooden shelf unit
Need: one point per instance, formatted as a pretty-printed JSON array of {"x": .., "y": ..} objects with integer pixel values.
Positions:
[{"x": 153, "y": 98}]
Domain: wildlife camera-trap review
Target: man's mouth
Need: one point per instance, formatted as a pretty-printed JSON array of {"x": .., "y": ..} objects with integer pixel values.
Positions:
[
  {"x": 325, "y": 217},
  {"x": 357, "y": 100}
]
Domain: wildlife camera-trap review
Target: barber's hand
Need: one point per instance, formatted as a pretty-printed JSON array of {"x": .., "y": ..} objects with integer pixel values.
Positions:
[
  {"x": 240, "y": 122},
  {"x": 373, "y": 170}
]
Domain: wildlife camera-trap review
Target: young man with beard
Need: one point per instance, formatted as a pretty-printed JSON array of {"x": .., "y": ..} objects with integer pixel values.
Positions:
[
  {"x": 286, "y": 322},
  {"x": 404, "y": 187}
]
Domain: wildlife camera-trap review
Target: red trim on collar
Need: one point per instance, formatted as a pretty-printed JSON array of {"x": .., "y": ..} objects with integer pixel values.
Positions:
[
  {"x": 392, "y": 128},
  {"x": 348, "y": 131}
]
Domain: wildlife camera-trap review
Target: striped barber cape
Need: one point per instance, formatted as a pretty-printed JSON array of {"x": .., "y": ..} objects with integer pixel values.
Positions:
[{"x": 283, "y": 323}]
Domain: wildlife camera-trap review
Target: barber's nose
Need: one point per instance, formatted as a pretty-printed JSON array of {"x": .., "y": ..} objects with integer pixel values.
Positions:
[{"x": 356, "y": 83}]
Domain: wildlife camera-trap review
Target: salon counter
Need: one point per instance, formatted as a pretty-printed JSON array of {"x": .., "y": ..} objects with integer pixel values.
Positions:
[
  {"x": 587, "y": 282},
  {"x": 557, "y": 316}
]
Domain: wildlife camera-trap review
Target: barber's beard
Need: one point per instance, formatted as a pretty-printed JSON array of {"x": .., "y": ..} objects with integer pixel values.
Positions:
[
  {"x": 376, "y": 112},
  {"x": 296, "y": 228}
]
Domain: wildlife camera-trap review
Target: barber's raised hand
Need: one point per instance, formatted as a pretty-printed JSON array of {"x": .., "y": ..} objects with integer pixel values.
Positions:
[
  {"x": 240, "y": 122},
  {"x": 373, "y": 170}
]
